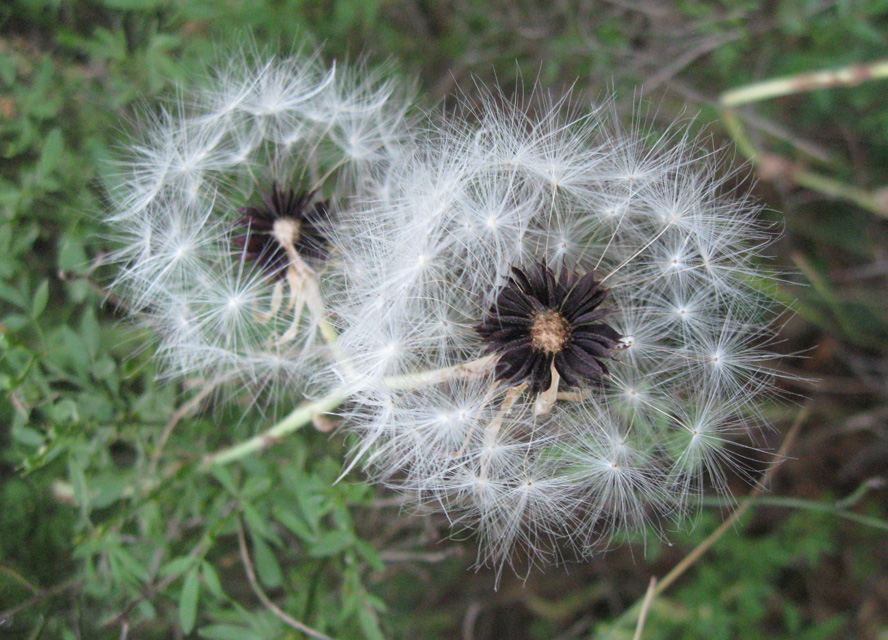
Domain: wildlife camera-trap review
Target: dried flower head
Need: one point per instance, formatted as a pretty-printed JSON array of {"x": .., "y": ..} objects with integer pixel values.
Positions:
[
  {"x": 233, "y": 290},
  {"x": 541, "y": 323},
  {"x": 430, "y": 236},
  {"x": 658, "y": 331},
  {"x": 287, "y": 221}
]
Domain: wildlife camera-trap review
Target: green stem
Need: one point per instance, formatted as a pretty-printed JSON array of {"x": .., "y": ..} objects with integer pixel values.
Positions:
[
  {"x": 844, "y": 77},
  {"x": 297, "y": 419},
  {"x": 738, "y": 134},
  {"x": 808, "y": 505},
  {"x": 798, "y": 174},
  {"x": 304, "y": 413},
  {"x": 826, "y": 293},
  {"x": 328, "y": 332},
  {"x": 837, "y": 189}
]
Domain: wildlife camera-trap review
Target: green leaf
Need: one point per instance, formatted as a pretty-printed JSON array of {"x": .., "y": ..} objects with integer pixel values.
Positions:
[
  {"x": 293, "y": 522},
  {"x": 13, "y": 295},
  {"x": 223, "y": 475},
  {"x": 76, "y": 351},
  {"x": 90, "y": 332},
  {"x": 63, "y": 412},
  {"x": 176, "y": 565},
  {"x": 369, "y": 623},
  {"x": 125, "y": 566},
  {"x": 135, "y": 5},
  {"x": 15, "y": 322},
  {"x": 8, "y": 68},
  {"x": 188, "y": 600},
  {"x": 370, "y": 555},
  {"x": 49, "y": 155},
  {"x": 24, "y": 239},
  {"x": 258, "y": 524},
  {"x": 254, "y": 487},
  {"x": 106, "y": 490},
  {"x": 72, "y": 256},
  {"x": 27, "y": 436},
  {"x": 38, "y": 302},
  {"x": 211, "y": 580},
  {"x": 226, "y": 632},
  {"x": 266, "y": 564},
  {"x": 104, "y": 368},
  {"x": 331, "y": 543}
]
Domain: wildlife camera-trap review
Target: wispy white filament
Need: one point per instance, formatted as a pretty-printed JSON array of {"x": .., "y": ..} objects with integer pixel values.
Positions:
[
  {"x": 430, "y": 220},
  {"x": 500, "y": 187},
  {"x": 258, "y": 122}
]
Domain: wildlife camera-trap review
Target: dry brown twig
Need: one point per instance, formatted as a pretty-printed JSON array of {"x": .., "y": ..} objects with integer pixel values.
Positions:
[
  {"x": 688, "y": 561},
  {"x": 263, "y": 597},
  {"x": 648, "y": 598}
]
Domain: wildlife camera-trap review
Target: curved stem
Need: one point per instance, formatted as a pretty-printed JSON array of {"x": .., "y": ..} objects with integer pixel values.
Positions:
[
  {"x": 297, "y": 419},
  {"x": 632, "y": 613},
  {"x": 304, "y": 413},
  {"x": 263, "y": 597}
]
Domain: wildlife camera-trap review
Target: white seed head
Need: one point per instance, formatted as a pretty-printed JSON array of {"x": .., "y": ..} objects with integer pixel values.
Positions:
[
  {"x": 500, "y": 187},
  {"x": 253, "y": 123}
]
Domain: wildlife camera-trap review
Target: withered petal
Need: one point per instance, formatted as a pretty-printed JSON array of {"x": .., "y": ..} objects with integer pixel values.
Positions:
[
  {"x": 582, "y": 363},
  {"x": 565, "y": 371},
  {"x": 509, "y": 326},
  {"x": 259, "y": 243}
]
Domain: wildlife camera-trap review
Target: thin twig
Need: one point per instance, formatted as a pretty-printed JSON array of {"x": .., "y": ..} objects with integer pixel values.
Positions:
[
  {"x": 838, "y": 509},
  {"x": 703, "y": 547},
  {"x": 648, "y": 598},
  {"x": 469, "y": 620},
  {"x": 413, "y": 556},
  {"x": 12, "y": 573},
  {"x": 257, "y": 589},
  {"x": 177, "y": 415},
  {"x": 688, "y": 561},
  {"x": 112, "y": 299},
  {"x": 39, "y": 597}
]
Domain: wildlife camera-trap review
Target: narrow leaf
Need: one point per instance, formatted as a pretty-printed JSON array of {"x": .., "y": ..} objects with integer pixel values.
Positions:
[
  {"x": 266, "y": 564},
  {"x": 188, "y": 601}
]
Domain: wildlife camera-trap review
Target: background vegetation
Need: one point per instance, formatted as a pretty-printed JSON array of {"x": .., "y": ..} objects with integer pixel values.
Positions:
[{"x": 107, "y": 530}]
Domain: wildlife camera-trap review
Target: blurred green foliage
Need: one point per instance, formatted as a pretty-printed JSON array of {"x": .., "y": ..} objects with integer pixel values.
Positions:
[
  {"x": 108, "y": 529},
  {"x": 738, "y": 590}
]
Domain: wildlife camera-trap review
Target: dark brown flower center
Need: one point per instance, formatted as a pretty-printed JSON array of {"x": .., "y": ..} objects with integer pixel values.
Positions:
[
  {"x": 543, "y": 321},
  {"x": 549, "y": 330},
  {"x": 285, "y": 228}
]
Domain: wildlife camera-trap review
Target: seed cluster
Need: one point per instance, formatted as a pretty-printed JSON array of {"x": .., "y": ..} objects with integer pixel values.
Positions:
[
  {"x": 548, "y": 331},
  {"x": 539, "y": 321},
  {"x": 496, "y": 228},
  {"x": 286, "y": 217}
]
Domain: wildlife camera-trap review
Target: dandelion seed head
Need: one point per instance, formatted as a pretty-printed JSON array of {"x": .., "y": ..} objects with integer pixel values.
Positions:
[
  {"x": 509, "y": 204},
  {"x": 224, "y": 183}
]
